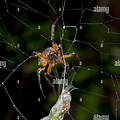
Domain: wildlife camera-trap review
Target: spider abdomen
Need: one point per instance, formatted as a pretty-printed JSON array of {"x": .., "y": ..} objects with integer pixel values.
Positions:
[{"x": 51, "y": 55}]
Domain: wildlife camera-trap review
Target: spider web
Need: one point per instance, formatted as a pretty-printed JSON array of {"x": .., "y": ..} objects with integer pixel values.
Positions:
[{"x": 25, "y": 26}]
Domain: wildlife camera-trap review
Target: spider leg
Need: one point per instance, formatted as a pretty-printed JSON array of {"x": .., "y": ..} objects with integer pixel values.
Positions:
[
  {"x": 76, "y": 56},
  {"x": 39, "y": 80},
  {"x": 50, "y": 66},
  {"x": 50, "y": 82},
  {"x": 52, "y": 76}
]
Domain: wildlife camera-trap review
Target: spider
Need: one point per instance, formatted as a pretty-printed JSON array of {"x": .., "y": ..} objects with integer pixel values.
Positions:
[{"x": 48, "y": 58}]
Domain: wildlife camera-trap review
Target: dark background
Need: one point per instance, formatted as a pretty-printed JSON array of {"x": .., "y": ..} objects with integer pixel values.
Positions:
[{"x": 21, "y": 27}]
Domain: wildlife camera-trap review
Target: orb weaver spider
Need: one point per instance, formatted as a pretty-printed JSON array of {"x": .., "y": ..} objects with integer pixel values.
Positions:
[{"x": 48, "y": 58}]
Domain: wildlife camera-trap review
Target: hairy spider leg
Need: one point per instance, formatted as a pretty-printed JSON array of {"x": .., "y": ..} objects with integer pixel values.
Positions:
[
  {"x": 64, "y": 57},
  {"x": 73, "y": 54},
  {"x": 49, "y": 69},
  {"x": 39, "y": 80}
]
